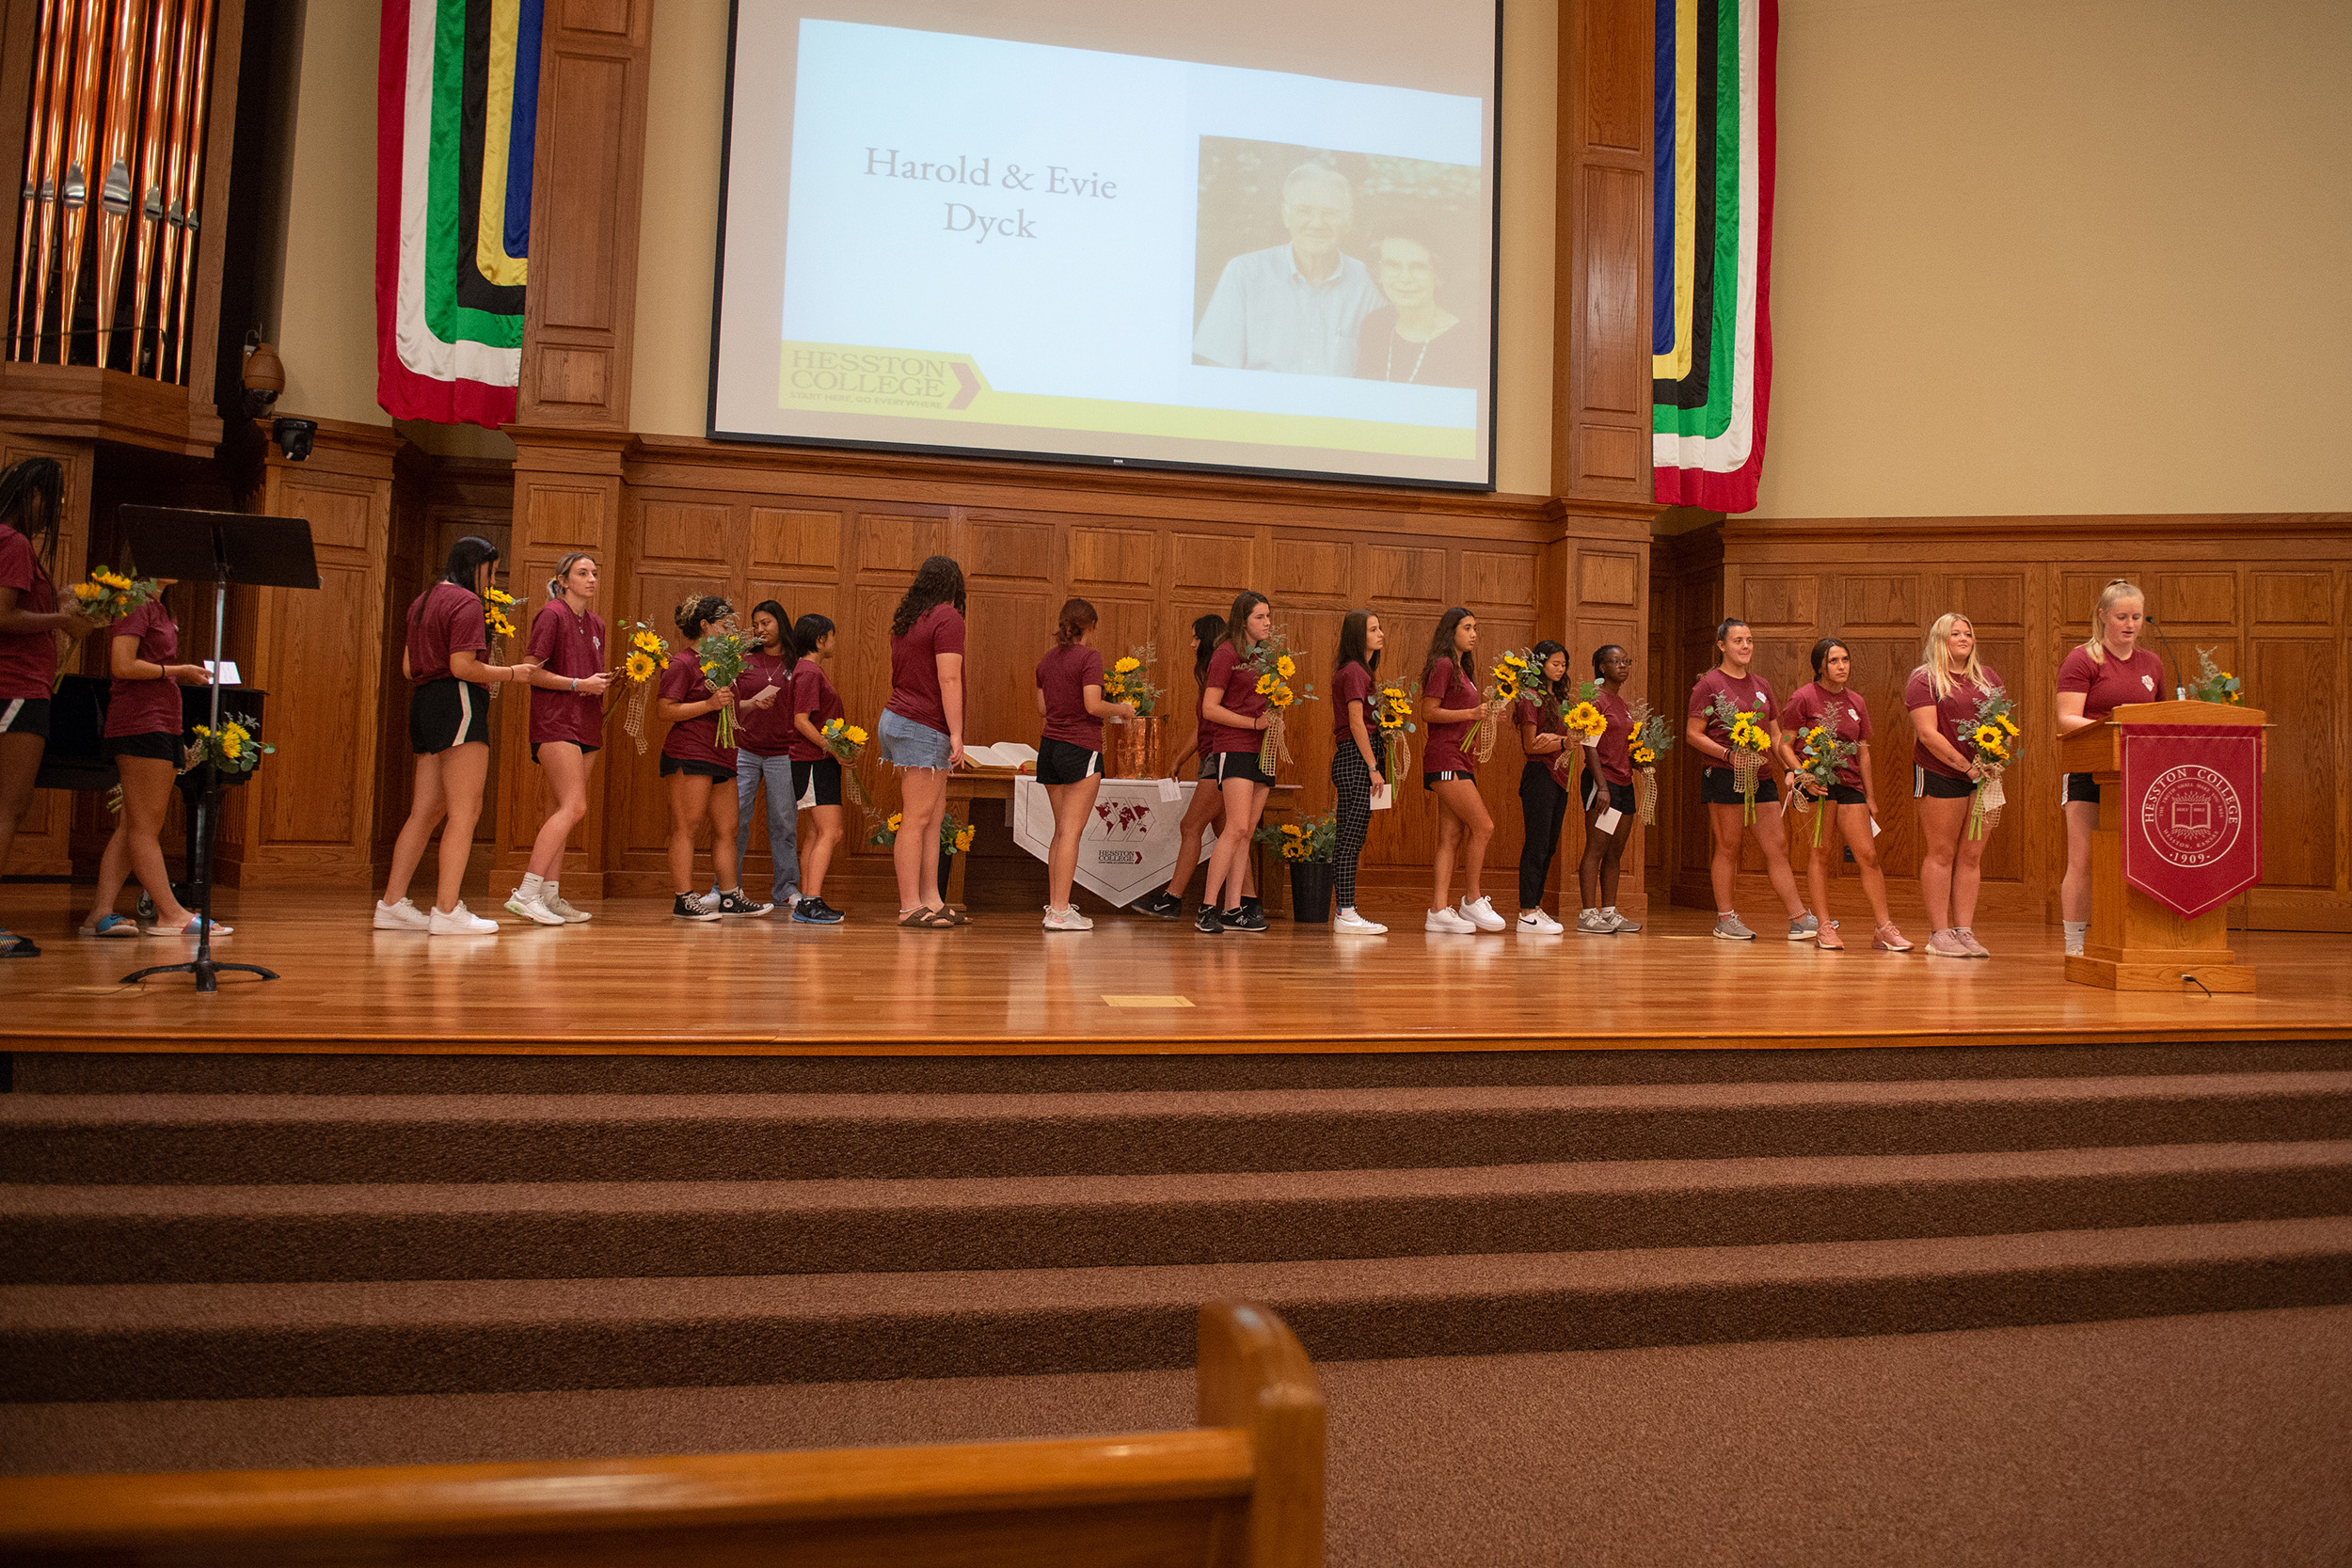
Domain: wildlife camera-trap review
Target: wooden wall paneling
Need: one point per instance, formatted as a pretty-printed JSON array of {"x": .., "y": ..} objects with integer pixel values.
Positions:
[
  {"x": 44, "y": 836},
  {"x": 581, "y": 313}
]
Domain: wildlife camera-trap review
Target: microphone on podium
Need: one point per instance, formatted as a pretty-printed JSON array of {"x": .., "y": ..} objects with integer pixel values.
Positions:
[{"x": 2180, "y": 693}]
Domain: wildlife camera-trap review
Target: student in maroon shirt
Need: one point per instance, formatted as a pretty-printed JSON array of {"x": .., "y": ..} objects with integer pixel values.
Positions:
[
  {"x": 448, "y": 730},
  {"x": 1543, "y": 790},
  {"x": 1235, "y": 718},
  {"x": 1828, "y": 699},
  {"x": 1357, "y": 758},
  {"x": 2106, "y": 672},
  {"x": 1450, "y": 703},
  {"x": 764, "y": 735},
  {"x": 142, "y": 740},
  {"x": 815, "y": 772},
  {"x": 1734, "y": 647},
  {"x": 32, "y": 502},
  {"x": 1069, "y": 753},
  {"x": 564, "y": 664},
  {"x": 1206, "y": 804},
  {"x": 921, "y": 733},
  {"x": 693, "y": 761},
  {"x": 1606, "y": 785},
  {"x": 1942, "y": 696}
]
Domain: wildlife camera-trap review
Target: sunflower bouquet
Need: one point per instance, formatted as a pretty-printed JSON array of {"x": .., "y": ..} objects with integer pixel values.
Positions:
[
  {"x": 1820, "y": 753},
  {"x": 1991, "y": 738},
  {"x": 1278, "y": 683},
  {"x": 496, "y": 602},
  {"x": 648, "y": 655},
  {"x": 1392, "y": 709},
  {"x": 1751, "y": 749},
  {"x": 233, "y": 748},
  {"x": 2213, "y": 684},
  {"x": 1129, "y": 680},
  {"x": 721, "y": 654},
  {"x": 1649, "y": 739},
  {"x": 106, "y": 595},
  {"x": 1513, "y": 672},
  {"x": 955, "y": 838},
  {"x": 1315, "y": 841},
  {"x": 847, "y": 743}
]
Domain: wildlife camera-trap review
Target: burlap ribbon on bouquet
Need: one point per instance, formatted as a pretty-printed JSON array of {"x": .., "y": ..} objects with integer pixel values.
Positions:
[
  {"x": 1489, "y": 720},
  {"x": 633, "y": 714},
  {"x": 1276, "y": 748},
  {"x": 1645, "y": 795},
  {"x": 1984, "y": 809}
]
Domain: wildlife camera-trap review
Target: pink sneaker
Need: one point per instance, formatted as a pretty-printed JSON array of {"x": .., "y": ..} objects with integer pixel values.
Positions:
[
  {"x": 1828, "y": 940},
  {"x": 1946, "y": 945},
  {"x": 1968, "y": 940},
  {"x": 1887, "y": 938}
]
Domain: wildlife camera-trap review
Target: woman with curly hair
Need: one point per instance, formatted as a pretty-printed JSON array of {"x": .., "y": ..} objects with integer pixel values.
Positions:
[
  {"x": 692, "y": 760},
  {"x": 32, "y": 503},
  {"x": 921, "y": 733}
]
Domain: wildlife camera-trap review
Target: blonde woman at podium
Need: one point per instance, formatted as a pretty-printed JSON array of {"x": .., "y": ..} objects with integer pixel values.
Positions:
[
  {"x": 1943, "y": 695},
  {"x": 2106, "y": 672}
]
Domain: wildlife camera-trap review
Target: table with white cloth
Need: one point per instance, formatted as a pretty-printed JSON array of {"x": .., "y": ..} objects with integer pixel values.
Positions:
[{"x": 1129, "y": 846}]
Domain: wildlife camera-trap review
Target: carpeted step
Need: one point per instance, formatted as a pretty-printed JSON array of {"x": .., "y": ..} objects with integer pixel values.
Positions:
[
  {"x": 245, "y": 1140},
  {"x": 485, "y": 1230},
  {"x": 66, "y": 1343}
]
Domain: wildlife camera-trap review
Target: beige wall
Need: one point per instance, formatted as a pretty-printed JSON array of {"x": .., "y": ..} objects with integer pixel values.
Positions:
[
  {"x": 326, "y": 317},
  {"x": 669, "y": 394},
  {"x": 2061, "y": 255}
]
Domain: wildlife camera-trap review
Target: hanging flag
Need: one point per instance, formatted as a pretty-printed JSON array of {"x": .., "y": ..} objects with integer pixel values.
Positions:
[
  {"x": 457, "y": 105},
  {"x": 1711, "y": 250}
]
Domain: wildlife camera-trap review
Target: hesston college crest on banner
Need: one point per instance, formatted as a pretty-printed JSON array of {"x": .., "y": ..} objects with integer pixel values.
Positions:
[{"x": 2192, "y": 813}]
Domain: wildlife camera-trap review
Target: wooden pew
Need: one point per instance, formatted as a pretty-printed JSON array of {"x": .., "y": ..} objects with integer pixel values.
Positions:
[{"x": 1244, "y": 1489}]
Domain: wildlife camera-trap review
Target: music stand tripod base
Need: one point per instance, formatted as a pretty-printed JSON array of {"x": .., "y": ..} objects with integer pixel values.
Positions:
[{"x": 205, "y": 970}]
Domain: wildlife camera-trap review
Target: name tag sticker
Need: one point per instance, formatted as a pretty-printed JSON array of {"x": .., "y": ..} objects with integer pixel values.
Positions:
[{"x": 1606, "y": 821}]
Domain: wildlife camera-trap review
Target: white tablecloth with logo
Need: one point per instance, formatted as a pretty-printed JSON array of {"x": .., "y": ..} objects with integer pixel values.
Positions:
[{"x": 1128, "y": 845}]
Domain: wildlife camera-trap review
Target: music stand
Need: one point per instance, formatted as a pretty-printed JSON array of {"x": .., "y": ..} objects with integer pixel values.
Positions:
[{"x": 219, "y": 547}]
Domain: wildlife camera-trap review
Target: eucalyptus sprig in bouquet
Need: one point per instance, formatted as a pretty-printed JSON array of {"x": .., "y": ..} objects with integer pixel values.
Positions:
[
  {"x": 847, "y": 743},
  {"x": 104, "y": 596},
  {"x": 648, "y": 655},
  {"x": 1392, "y": 709},
  {"x": 1751, "y": 749},
  {"x": 1276, "y": 671},
  {"x": 1650, "y": 739},
  {"x": 721, "y": 656},
  {"x": 2213, "y": 684},
  {"x": 1513, "y": 672},
  {"x": 233, "y": 748},
  {"x": 1820, "y": 753},
  {"x": 1129, "y": 680},
  {"x": 1991, "y": 738}
]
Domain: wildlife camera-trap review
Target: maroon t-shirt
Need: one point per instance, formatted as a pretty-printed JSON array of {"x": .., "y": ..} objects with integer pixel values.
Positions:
[
  {"x": 1063, "y": 674},
  {"x": 2107, "y": 683},
  {"x": 572, "y": 646},
  {"x": 145, "y": 706},
  {"x": 1352, "y": 683},
  {"x": 1238, "y": 689},
  {"x": 1954, "y": 713},
  {"x": 1849, "y": 719},
  {"x": 444, "y": 619},
  {"x": 764, "y": 732},
  {"x": 693, "y": 739},
  {"x": 812, "y": 694},
  {"x": 1751, "y": 693},
  {"x": 1445, "y": 685},
  {"x": 1613, "y": 751},
  {"x": 914, "y": 665},
  {"x": 28, "y": 660}
]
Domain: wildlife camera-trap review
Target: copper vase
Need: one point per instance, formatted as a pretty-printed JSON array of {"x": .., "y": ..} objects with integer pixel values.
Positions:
[{"x": 1134, "y": 749}]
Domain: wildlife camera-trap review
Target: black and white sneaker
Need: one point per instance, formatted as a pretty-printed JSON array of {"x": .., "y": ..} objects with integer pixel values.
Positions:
[
  {"x": 687, "y": 907},
  {"x": 1206, "y": 922},
  {"x": 1161, "y": 905},
  {"x": 1253, "y": 904},
  {"x": 813, "y": 911},
  {"x": 1243, "y": 919},
  {"x": 736, "y": 903}
]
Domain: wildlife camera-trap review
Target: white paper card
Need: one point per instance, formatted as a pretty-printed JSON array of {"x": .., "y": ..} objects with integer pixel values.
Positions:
[
  {"x": 1382, "y": 797},
  {"x": 1874, "y": 827},
  {"x": 1606, "y": 821},
  {"x": 1171, "y": 791},
  {"x": 227, "y": 673}
]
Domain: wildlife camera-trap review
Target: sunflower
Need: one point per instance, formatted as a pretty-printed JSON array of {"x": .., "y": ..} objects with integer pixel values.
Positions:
[
  {"x": 1267, "y": 683},
  {"x": 2007, "y": 725},
  {"x": 1643, "y": 755},
  {"x": 1988, "y": 737},
  {"x": 1127, "y": 663},
  {"x": 1285, "y": 667},
  {"x": 645, "y": 642},
  {"x": 640, "y": 667},
  {"x": 963, "y": 839},
  {"x": 893, "y": 820},
  {"x": 857, "y": 736},
  {"x": 112, "y": 579}
]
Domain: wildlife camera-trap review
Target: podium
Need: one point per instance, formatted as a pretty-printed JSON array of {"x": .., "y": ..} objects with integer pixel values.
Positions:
[{"x": 2134, "y": 941}]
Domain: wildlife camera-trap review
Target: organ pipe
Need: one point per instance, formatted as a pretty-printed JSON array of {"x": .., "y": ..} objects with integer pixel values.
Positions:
[{"x": 35, "y": 143}]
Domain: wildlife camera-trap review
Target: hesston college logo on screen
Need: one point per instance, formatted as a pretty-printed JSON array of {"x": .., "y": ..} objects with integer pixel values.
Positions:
[{"x": 2190, "y": 815}]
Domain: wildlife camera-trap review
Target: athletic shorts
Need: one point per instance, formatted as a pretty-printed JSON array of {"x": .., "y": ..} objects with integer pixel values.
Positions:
[
  {"x": 2079, "y": 786},
  {"x": 1059, "y": 762},
  {"x": 585, "y": 750},
  {"x": 1939, "y": 786},
  {"x": 826, "y": 774},
  {"x": 1621, "y": 797},
  {"x": 1207, "y": 772},
  {"x": 1843, "y": 795},
  {"x": 696, "y": 767},
  {"x": 1431, "y": 781},
  {"x": 1238, "y": 765},
  {"x": 24, "y": 716},
  {"x": 445, "y": 713},
  {"x": 161, "y": 745},
  {"x": 1718, "y": 788}
]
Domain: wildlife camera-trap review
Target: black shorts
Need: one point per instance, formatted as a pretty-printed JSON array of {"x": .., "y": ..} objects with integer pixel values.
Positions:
[
  {"x": 162, "y": 745},
  {"x": 2081, "y": 786},
  {"x": 826, "y": 774},
  {"x": 1847, "y": 795},
  {"x": 585, "y": 750},
  {"x": 1208, "y": 767},
  {"x": 1621, "y": 797},
  {"x": 1718, "y": 788},
  {"x": 24, "y": 716},
  {"x": 445, "y": 713},
  {"x": 1061, "y": 762},
  {"x": 1939, "y": 786},
  {"x": 1431, "y": 781},
  {"x": 696, "y": 767},
  {"x": 1238, "y": 765}
]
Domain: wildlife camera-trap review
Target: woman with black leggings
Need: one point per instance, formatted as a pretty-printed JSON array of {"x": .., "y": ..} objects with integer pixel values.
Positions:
[
  {"x": 1355, "y": 758},
  {"x": 1543, "y": 798}
]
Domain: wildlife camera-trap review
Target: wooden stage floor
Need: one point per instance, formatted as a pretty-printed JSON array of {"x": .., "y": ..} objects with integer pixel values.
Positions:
[{"x": 635, "y": 980}]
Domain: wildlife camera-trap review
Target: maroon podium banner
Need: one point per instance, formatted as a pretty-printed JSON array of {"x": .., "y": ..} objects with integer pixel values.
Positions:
[{"x": 2192, "y": 813}]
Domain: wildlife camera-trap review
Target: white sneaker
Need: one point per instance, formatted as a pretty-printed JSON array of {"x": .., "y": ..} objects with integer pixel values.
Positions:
[
  {"x": 403, "y": 916},
  {"x": 1482, "y": 915},
  {"x": 1592, "y": 923},
  {"x": 1350, "y": 924},
  {"x": 462, "y": 922},
  {"x": 1066, "y": 919},
  {"x": 1536, "y": 922},
  {"x": 533, "y": 909},
  {"x": 1448, "y": 921},
  {"x": 563, "y": 910}
]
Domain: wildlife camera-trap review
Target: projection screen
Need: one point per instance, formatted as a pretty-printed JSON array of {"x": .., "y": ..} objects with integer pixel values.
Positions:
[{"x": 1243, "y": 234}]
